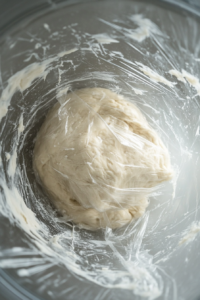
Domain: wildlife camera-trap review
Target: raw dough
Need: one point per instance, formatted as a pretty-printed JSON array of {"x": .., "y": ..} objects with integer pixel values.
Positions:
[{"x": 98, "y": 158}]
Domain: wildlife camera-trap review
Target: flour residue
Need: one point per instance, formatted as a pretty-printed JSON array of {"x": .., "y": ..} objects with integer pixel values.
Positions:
[
  {"x": 104, "y": 38},
  {"x": 21, "y": 81},
  {"x": 46, "y": 26},
  {"x": 178, "y": 75},
  {"x": 138, "y": 91},
  {"x": 154, "y": 76},
  {"x": 191, "y": 79},
  {"x": 61, "y": 54},
  {"x": 190, "y": 234},
  {"x": 145, "y": 28},
  {"x": 21, "y": 125},
  {"x": 7, "y": 156}
]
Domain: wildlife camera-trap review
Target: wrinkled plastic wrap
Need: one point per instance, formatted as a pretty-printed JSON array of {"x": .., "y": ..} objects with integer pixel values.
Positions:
[
  {"x": 150, "y": 55},
  {"x": 98, "y": 159}
]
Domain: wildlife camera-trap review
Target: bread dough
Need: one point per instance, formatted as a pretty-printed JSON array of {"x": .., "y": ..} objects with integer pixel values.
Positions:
[{"x": 98, "y": 158}]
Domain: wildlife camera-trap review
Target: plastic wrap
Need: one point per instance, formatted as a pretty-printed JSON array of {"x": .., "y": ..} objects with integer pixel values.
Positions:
[
  {"x": 150, "y": 55},
  {"x": 98, "y": 159}
]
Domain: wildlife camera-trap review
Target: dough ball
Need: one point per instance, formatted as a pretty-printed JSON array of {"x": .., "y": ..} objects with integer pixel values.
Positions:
[{"x": 98, "y": 159}]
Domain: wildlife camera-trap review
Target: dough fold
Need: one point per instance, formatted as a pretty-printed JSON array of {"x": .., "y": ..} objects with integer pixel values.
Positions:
[{"x": 98, "y": 159}]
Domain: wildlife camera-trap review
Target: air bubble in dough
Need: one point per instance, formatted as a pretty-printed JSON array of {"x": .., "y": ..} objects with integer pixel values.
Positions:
[{"x": 98, "y": 159}]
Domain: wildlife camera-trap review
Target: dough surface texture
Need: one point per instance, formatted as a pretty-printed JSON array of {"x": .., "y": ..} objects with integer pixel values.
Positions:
[{"x": 98, "y": 159}]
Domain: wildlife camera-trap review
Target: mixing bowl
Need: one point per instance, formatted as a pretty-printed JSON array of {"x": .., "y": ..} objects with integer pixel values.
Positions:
[{"x": 148, "y": 51}]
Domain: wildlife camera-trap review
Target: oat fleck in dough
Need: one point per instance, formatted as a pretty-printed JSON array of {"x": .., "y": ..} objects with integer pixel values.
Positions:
[{"x": 98, "y": 158}]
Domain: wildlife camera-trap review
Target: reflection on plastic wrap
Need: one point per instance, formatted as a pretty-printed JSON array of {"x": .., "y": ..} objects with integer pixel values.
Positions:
[{"x": 150, "y": 56}]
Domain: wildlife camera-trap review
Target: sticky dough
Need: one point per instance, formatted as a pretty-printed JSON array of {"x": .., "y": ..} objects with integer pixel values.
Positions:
[{"x": 98, "y": 159}]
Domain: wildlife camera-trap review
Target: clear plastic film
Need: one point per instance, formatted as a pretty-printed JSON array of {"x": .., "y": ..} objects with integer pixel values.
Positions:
[
  {"x": 98, "y": 158},
  {"x": 149, "y": 54}
]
